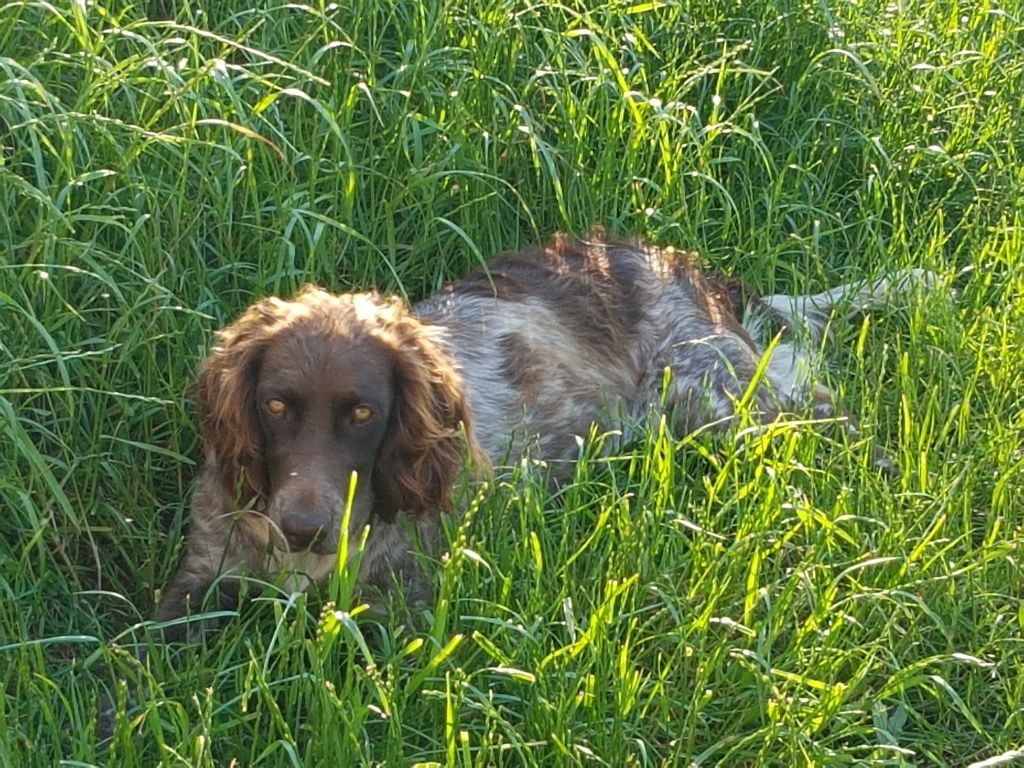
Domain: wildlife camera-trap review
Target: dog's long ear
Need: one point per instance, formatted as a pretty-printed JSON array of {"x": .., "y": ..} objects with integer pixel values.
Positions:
[
  {"x": 422, "y": 455},
  {"x": 225, "y": 397}
]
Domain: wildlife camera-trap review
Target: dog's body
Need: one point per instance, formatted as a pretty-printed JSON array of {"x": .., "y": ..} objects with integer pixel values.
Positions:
[{"x": 527, "y": 355}]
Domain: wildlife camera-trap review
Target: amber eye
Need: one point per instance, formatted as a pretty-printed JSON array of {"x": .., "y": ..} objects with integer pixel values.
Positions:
[
  {"x": 362, "y": 414},
  {"x": 276, "y": 407}
]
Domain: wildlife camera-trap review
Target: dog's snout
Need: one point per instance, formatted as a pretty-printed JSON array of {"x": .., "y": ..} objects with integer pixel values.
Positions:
[{"x": 304, "y": 531}]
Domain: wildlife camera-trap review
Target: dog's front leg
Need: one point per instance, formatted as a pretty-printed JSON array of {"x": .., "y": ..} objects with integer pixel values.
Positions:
[{"x": 211, "y": 562}]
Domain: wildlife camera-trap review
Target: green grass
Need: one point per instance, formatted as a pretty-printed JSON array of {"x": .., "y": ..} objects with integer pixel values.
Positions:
[{"x": 764, "y": 599}]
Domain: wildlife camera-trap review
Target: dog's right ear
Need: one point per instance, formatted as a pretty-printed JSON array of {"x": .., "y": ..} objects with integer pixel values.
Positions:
[{"x": 225, "y": 397}]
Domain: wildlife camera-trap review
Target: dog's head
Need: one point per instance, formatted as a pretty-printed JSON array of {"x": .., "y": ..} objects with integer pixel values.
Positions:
[{"x": 298, "y": 395}]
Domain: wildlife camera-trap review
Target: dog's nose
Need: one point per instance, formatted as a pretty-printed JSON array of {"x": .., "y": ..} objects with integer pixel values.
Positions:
[{"x": 303, "y": 531}]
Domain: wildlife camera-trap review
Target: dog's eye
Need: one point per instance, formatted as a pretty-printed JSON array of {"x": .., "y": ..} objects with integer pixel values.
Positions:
[
  {"x": 362, "y": 414},
  {"x": 276, "y": 407}
]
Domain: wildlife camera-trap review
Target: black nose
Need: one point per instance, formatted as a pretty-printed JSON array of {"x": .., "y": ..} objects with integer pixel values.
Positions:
[{"x": 303, "y": 531}]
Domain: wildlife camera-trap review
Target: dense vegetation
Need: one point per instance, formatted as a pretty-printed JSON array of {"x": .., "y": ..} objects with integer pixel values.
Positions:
[{"x": 763, "y": 599}]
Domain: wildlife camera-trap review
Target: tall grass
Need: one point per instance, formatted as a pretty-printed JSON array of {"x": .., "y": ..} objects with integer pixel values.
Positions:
[{"x": 766, "y": 599}]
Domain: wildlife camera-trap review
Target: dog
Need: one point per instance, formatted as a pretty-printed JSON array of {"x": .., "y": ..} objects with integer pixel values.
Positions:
[{"x": 299, "y": 397}]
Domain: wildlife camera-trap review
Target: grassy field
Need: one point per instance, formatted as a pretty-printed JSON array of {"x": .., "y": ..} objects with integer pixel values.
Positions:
[{"x": 766, "y": 599}]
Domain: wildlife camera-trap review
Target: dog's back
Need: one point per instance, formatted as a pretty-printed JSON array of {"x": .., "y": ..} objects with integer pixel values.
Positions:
[{"x": 552, "y": 340}]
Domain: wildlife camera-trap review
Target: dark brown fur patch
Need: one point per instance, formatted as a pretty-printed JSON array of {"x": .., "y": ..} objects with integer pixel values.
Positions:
[
  {"x": 592, "y": 286},
  {"x": 521, "y": 366},
  {"x": 732, "y": 293}
]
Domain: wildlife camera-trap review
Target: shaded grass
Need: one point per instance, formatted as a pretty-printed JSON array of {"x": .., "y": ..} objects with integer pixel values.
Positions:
[{"x": 764, "y": 600}]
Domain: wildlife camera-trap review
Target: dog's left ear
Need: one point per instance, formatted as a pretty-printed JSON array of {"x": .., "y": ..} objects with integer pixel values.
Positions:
[{"x": 430, "y": 427}]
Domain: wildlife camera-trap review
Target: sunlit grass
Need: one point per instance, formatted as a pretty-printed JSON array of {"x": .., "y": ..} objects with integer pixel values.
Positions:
[{"x": 764, "y": 599}]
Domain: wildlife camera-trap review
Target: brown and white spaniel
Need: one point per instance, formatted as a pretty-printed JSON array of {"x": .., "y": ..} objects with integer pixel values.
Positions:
[{"x": 298, "y": 395}]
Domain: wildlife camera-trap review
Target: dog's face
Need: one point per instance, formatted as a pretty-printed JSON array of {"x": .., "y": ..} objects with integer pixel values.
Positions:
[
  {"x": 324, "y": 406},
  {"x": 301, "y": 394}
]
